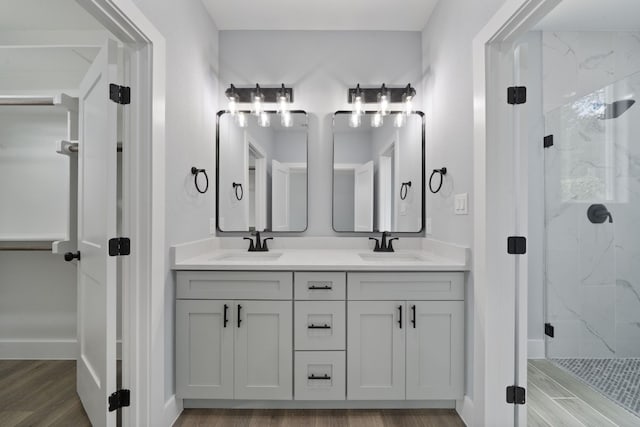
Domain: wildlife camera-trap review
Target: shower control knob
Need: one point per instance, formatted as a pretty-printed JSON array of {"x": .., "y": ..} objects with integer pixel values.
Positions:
[{"x": 70, "y": 256}]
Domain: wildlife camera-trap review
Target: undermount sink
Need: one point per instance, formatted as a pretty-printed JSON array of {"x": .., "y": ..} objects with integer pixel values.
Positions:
[
  {"x": 248, "y": 256},
  {"x": 390, "y": 257}
]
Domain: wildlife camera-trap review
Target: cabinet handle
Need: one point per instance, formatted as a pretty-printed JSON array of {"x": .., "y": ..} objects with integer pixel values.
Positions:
[
  {"x": 413, "y": 314},
  {"x": 239, "y": 319},
  {"x": 325, "y": 326},
  {"x": 324, "y": 377},
  {"x": 316, "y": 288},
  {"x": 225, "y": 319},
  {"x": 400, "y": 316}
]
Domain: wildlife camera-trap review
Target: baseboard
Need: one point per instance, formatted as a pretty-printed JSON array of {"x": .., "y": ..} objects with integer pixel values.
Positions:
[
  {"x": 172, "y": 410},
  {"x": 464, "y": 408},
  {"x": 535, "y": 349},
  {"x": 44, "y": 349},
  {"x": 319, "y": 404}
]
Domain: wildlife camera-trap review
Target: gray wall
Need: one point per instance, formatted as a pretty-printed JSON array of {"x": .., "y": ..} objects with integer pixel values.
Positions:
[{"x": 320, "y": 66}]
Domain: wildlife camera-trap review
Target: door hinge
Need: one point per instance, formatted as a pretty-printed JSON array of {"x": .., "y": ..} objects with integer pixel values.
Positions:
[
  {"x": 548, "y": 141},
  {"x": 120, "y": 94},
  {"x": 119, "y": 246},
  {"x": 516, "y": 95},
  {"x": 549, "y": 330},
  {"x": 516, "y": 395},
  {"x": 119, "y": 399},
  {"x": 517, "y": 245}
]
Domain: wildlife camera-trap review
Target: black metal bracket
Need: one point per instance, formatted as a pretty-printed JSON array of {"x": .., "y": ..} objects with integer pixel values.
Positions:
[
  {"x": 517, "y": 245},
  {"x": 548, "y": 141},
  {"x": 549, "y": 330},
  {"x": 516, "y": 395},
  {"x": 269, "y": 94},
  {"x": 119, "y": 246},
  {"x": 516, "y": 95},
  {"x": 119, "y": 399},
  {"x": 120, "y": 94}
]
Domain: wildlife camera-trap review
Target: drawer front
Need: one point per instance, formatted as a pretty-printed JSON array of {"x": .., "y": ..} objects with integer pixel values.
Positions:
[
  {"x": 320, "y": 375},
  {"x": 406, "y": 286},
  {"x": 320, "y": 325},
  {"x": 235, "y": 285},
  {"x": 320, "y": 286}
]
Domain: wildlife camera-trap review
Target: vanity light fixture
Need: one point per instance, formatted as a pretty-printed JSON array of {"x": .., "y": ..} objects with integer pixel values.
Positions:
[
  {"x": 258, "y": 99},
  {"x": 257, "y": 96},
  {"x": 233, "y": 98},
  {"x": 384, "y": 98},
  {"x": 358, "y": 101},
  {"x": 407, "y": 99},
  {"x": 282, "y": 100}
]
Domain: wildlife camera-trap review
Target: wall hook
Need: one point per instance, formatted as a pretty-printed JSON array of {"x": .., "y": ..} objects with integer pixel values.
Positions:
[
  {"x": 236, "y": 186},
  {"x": 442, "y": 172},
  {"x": 404, "y": 189},
  {"x": 195, "y": 172}
]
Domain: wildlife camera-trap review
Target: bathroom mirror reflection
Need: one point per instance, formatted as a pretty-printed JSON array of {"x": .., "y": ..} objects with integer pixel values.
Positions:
[
  {"x": 378, "y": 172},
  {"x": 262, "y": 172}
]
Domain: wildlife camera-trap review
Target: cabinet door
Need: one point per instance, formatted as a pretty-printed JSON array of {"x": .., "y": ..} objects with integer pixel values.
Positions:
[
  {"x": 435, "y": 350},
  {"x": 376, "y": 350},
  {"x": 263, "y": 350},
  {"x": 204, "y": 349}
]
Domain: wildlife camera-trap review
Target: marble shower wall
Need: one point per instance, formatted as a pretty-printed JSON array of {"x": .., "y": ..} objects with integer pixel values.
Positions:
[{"x": 592, "y": 270}]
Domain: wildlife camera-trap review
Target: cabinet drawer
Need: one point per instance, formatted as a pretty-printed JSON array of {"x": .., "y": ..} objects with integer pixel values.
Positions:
[
  {"x": 320, "y": 375},
  {"x": 406, "y": 286},
  {"x": 320, "y": 286},
  {"x": 320, "y": 325},
  {"x": 234, "y": 285}
]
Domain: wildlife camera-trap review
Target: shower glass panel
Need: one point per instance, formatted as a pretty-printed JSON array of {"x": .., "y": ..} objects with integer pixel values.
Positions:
[{"x": 592, "y": 221}]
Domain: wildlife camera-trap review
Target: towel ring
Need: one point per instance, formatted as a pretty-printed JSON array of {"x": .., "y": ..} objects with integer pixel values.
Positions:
[
  {"x": 404, "y": 189},
  {"x": 195, "y": 172},
  {"x": 237, "y": 185},
  {"x": 442, "y": 172}
]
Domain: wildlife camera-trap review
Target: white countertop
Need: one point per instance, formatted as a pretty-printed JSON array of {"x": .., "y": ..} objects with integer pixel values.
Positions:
[{"x": 320, "y": 260}]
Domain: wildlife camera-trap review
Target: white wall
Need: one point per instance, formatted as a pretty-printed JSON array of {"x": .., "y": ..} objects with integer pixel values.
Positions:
[
  {"x": 320, "y": 66},
  {"x": 448, "y": 87},
  {"x": 191, "y": 105}
]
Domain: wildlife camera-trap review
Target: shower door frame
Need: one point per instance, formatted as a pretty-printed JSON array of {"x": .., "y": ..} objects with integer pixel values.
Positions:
[{"x": 500, "y": 311}]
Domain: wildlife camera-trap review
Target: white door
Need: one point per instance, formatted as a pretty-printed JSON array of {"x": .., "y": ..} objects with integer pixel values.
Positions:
[
  {"x": 375, "y": 350},
  {"x": 280, "y": 183},
  {"x": 97, "y": 175},
  {"x": 204, "y": 349},
  {"x": 263, "y": 350},
  {"x": 435, "y": 350},
  {"x": 363, "y": 203}
]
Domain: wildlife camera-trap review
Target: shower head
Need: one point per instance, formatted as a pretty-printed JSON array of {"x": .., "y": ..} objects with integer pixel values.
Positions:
[{"x": 616, "y": 109}]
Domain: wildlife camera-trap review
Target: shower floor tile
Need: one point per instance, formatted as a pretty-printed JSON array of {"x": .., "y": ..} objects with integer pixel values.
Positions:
[{"x": 558, "y": 398}]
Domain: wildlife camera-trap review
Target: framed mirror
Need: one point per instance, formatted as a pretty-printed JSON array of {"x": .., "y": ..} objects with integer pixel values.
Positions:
[
  {"x": 378, "y": 173},
  {"x": 261, "y": 172}
]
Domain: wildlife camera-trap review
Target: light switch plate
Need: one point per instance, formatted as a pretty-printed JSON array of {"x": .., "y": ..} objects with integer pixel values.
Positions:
[{"x": 461, "y": 204}]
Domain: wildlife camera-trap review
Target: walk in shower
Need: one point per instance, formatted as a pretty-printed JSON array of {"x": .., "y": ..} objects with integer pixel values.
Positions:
[{"x": 592, "y": 233}]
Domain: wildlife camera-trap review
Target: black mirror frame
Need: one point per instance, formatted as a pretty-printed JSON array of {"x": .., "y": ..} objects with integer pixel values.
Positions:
[
  {"x": 419, "y": 233},
  {"x": 219, "y": 231}
]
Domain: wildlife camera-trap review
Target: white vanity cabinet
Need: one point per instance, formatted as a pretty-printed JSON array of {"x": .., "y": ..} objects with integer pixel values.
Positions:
[
  {"x": 312, "y": 336},
  {"x": 407, "y": 347},
  {"x": 234, "y": 348}
]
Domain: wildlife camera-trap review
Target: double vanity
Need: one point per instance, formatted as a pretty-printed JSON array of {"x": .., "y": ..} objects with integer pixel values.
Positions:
[{"x": 318, "y": 327}]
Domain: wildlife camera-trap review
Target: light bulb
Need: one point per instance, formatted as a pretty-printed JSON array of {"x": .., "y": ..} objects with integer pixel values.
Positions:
[
  {"x": 355, "y": 120},
  {"x": 358, "y": 104},
  {"x": 398, "y": 121},
  {"x": 384, "y": 104},
  {"x": 376, "y": 120},
  {"x": 233, "y": 106},
  {"x": 257, "y": 104},
  {"x": 408, "y": 105},
  {"x": 286, "y": 120},
  {"x": 263, "y": 120},
  {"x": 241, "y": 118}
]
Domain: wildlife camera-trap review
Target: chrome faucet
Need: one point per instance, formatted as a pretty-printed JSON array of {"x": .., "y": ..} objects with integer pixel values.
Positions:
[
  {"x": 258, "y": 246},
  {"x": 384, "y": 245}
]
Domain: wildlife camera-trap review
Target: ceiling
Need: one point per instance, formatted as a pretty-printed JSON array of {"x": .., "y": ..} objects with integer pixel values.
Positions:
[
  {"x": 593, "y": 15},
  {"x": 386, "y": 15},
  {"x": 24, "y": 15}
]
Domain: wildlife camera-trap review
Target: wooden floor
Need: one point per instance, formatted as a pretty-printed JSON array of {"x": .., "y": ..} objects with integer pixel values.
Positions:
[
  {"x": 319, "y": 418},
  {"x": 40, "y": 393},
  {"x": 556, "y": 398}
]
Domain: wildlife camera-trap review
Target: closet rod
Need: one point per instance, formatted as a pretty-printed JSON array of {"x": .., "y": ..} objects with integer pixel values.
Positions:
[{"x": 27, "y": 100}]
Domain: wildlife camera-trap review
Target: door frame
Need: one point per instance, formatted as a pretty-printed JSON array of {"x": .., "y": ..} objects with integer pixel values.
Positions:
[
  {"x": 499, "y": 214},
  {"x": 143, "y": 212}
]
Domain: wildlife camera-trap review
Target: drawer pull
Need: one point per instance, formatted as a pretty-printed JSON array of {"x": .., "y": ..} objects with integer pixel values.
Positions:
[
  {"x": 324, "y": 377},
  {"x": 325, "y": 326},
  {"x": 225, "y": 318},
  {"x": 413, "y": 312},
  {"x": 400, "y": 316},
  {"x": 320, "y": 288},
  {"x": 239, "y": 318}
]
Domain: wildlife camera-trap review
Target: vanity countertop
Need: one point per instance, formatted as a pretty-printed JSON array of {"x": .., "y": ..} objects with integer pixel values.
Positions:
[{"x": 320, "y": 260}]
